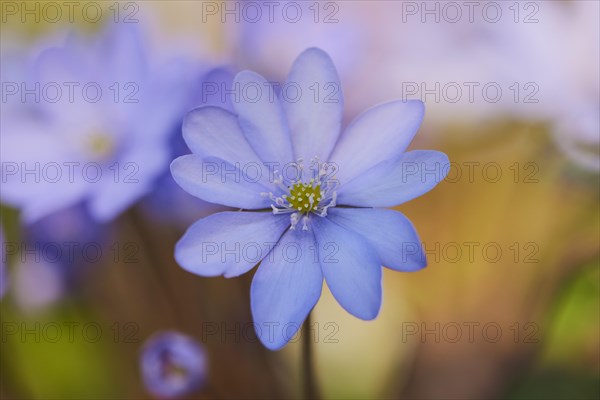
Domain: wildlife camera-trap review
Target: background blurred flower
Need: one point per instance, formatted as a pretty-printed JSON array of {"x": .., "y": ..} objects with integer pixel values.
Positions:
[
  {"x": 72, "y": 241},
  {"x": 95, "y": 128},
  {"x": 533, "y": 63},
  {"x": 172, "y": 365},
  {"x": 38, "y": 283},
  {"x": 169, "y": 204},
  {"x": 291, "y": 28}
]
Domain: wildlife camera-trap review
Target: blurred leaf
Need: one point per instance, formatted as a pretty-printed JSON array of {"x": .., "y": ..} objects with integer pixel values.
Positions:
[
  {"x": 571, "y": 361},
  {"x": 58, "y": 354},
  {"x": 557, "y": 385},
  {"x": 575, "y": 329}
]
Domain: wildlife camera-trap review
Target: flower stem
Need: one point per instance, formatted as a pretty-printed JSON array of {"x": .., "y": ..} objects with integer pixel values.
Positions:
[
  {"x": 310, "y": 383},
  {"x": 157, "y": 262}
]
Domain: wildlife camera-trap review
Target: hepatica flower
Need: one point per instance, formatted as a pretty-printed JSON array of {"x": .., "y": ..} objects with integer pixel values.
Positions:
[
  {"x": 310, "y": 196},
  {"x": 172, "y": 364},
  {"x": 89, "y": 123}
]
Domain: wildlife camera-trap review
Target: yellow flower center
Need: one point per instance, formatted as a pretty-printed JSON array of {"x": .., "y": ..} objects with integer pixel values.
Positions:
[
  {"x": 101, "y": 145},
  {"x": 304, "y": 196}
]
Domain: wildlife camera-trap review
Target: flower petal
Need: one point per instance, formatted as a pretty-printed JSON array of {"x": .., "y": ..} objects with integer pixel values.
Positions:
[
  {"x": 219, "y": 182},
  {"x": 215, "y": 132},
  {"x": 351, "y": 268},
  {"x": 380, "y": 133},
  {"x": 136, "y": 173},
  {"x": 286, "y": 286},
  {"x": 395, "y": 182},
  {"x": 217, "y": 85},
  {"x": 124, "y": 46},
  {"x": 262, "y": 119},
  {"x": 229, "y": 243},
  {"x": 170, "y": 79},
  {"x": 35, "y": 208},
  {"x": 35, "y": 178},
  {"x": 389, "y": 232},
  {"x": 315, "y": 112}
]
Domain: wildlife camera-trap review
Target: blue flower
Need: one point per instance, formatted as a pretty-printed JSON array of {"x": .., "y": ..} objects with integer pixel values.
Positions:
[
  {"x": 314, "y": 194},
  {"x": 172, "y": 365},
  {"x": 90, "y": 122}
]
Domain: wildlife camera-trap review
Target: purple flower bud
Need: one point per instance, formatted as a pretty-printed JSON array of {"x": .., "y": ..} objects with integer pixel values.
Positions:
[{"x": 172, "y": 365}]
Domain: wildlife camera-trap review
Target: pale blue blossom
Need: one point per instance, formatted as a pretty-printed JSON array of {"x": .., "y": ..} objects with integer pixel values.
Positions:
[{"x": 310, "y": 194}]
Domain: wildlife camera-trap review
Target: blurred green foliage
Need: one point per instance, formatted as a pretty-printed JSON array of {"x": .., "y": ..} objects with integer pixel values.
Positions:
[{"x": 62, "y": 353}]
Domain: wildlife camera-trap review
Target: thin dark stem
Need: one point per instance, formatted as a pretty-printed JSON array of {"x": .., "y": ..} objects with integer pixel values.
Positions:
[
  {"x": 157, "y": 262},
  {"x": 310, "y": 383}
]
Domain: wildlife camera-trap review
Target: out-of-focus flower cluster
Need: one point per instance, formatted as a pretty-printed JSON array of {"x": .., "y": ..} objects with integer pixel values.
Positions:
[
  {"x": 90, "y": 123},
  {"x": 472, "y": 64}
]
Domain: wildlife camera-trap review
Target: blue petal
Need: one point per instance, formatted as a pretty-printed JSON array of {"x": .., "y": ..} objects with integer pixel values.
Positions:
[
  {"x": 315, "y": 114},
  {"x": 380, "y": 133},
  {"x": 215, "y": 132},
  {"x": 229, "y": 243},
  {"x": 222, "y": 79},
  {"x": 395, "y": 182},
  {"x": 51, "y": 200},
  {"x": 26, "y": 147},
  {"x": 262, "y": 119},
  {"x": 138, "y": 170},
  {"x": 219, "y": 182},
  {"x": 286, "y": 286},
  {"x": 152, "y": 116},
  {"x": 62, "y": 64},
  {"x": 122, "y": 48},
  {"x": 389, "y": 232},
  {"x": 58, "y": 64},
  {"x": 351, "y": 268},
  {"x": 114, "y": 198}
]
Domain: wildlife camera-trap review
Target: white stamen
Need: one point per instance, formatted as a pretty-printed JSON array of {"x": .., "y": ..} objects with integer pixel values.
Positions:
[
  {"x": 294, "y": 220},
  {"x": 317, "y": 203},
  {"x": 305, "y": 223}
]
